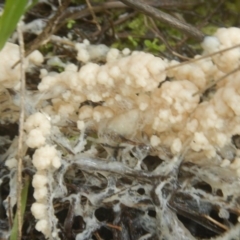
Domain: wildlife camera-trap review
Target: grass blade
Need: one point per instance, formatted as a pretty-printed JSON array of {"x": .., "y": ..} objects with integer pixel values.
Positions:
[
  {"x": 13, "y": 10},
  {"x": 14, "y": 230}
]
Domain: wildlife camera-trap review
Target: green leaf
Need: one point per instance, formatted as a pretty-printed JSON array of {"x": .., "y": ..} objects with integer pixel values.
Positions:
[
  {"x": 70, "y": 23},
  {"x": 32, "y": 3},
  {"x": 24, "y": 196},
  {"x": 137, "y": 25},
  {"x": 209, "y": 29},
  {"x": 154, "y": 46},
  {"x": 13, "y": 10},
  {"x": 148, "y": 43},
  {"x": 133, "y": 41}
]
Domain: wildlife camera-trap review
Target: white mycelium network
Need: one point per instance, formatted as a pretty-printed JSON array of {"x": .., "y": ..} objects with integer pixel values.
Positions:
[{"x": 136, "y": 97}]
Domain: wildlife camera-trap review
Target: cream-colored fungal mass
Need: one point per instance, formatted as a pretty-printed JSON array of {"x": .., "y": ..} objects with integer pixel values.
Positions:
[
  {"x": 9, "y": 56},
  {"x": 131, "y": 97},
  {"x": 138, "y": 93}
]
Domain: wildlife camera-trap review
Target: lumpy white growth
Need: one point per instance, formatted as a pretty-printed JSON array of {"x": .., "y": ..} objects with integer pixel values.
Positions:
[
  {"x": 125, "y": 124},
  {"x": 8, "y": 56},
  {"x": 43, "y": 226},
  {"x": 39, "y": 210},
  {"x": 223, "y": 213},
  {"x": 87, "y": 52},
  {"x": 39, "y": 180},
  {"x": 133, "y": 102},
  {"x": 40, "y": 193},
  {"x": 176, "y": 146},
  {"x": 36, "y": 57},
  {"x": 126, "y": 90},
  {"x": 11, "y": 163},
  {"x": 38, "y": 120},
  {"x": 155, "y": 141},
  {"x": 211, "y": 44},
  {"x": 46, "y": 157},
  {"x": 37, "y": 127},
  {"x": 35, "y": 138}
]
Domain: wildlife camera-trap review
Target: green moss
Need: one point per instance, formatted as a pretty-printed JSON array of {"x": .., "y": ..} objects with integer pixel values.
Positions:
[
  {"x": 209, "y": 29},
  {"x": 137, "y": 25},
  {"x": 70, "y": 23},
  {"x": 233, "y": 6},
  {"x": 154, "y": 46},
  {"x": 46, "y": 48},
  {"x": 133, "y": 41}
]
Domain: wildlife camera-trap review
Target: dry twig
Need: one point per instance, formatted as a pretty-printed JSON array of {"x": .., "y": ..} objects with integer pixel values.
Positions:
[
  {"x": 48, "y": 31},
  {"x": 20, "y": 138},
  {"x": 164, "y": 17},
  {"x": 93, "y": 15}
]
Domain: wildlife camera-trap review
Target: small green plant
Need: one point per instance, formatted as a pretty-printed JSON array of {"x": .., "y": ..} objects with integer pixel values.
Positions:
[
  {"x": 70, "y": 23},
  {"x": 154, "y": 46},
  {"x": 137, "y": 25},
  {"x": 209, "y": 29},
  {"x": 133, "y": 41}
]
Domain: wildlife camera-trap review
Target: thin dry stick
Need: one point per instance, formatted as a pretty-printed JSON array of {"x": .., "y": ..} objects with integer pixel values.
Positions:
[
  {"x": 171, "y": 3},
  {"x": 216, "y": 222},
  {"x": 96, "y": 234},
  {"x": 206, "y": 56},
  {"x": 157, "y": 32},
  {"x": 111, "y": 24},
  {"x": 46, "y": 33},
  {"x": 93, "y": 14},
  {"x": 203, "y": 57},
  {"x": 210, "y": 15},
  {"x": 20, "y": 138},
  {"x": 217, "y": 81},
  {"x": 49, "y": 29},
  {"x": 114, "y": 226},
  {"x": 164, "y": 17},
  {"x": 62, "y": 41},
  {"x": 10, "y": 219},
  {"x": 82, "y": 11}
]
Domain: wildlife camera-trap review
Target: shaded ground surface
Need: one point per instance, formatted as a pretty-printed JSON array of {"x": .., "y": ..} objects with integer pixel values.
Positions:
[{"x": 123, "y": 27}]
